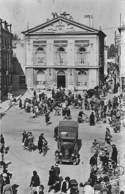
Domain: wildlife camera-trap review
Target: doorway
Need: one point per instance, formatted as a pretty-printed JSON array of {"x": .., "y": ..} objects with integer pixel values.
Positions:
[{"x": 61, "y": 79}]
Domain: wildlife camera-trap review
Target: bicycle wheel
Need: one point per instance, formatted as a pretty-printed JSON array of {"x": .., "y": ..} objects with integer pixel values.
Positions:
[{"x": 119, "y": 171}]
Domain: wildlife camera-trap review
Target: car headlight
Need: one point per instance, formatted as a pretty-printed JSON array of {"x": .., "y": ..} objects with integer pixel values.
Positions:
[{"x": 60, "y": 154}]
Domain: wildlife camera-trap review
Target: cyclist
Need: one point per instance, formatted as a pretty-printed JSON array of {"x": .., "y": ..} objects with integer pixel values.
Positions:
[
  {"x": 41, "y": 142},
  {"x": 108, "y": 136}
]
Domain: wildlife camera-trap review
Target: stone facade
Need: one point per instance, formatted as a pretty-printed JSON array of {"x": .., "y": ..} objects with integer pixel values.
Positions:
[
  {"x": 122, "y": 57},
  {"x": 6, "y": 68},
  {"x": 62, "y": 52}
]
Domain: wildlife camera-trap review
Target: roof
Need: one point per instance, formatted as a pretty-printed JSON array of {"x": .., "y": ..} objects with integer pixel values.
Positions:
[
  {"x": 68, "y": 123},
  {"x": 42, "y": 28},
  {"x": 121, "y": 28}
]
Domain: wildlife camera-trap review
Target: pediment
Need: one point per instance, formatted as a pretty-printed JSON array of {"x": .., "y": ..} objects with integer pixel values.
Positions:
[{"x": 60, "y": 25}]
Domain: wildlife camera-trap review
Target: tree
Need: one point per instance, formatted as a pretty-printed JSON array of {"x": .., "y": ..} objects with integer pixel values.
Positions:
[{"x": 112, "y": 50}]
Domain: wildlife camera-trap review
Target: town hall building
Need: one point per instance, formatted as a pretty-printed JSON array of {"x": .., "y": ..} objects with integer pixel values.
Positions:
[{"x": 63, "y": 53}]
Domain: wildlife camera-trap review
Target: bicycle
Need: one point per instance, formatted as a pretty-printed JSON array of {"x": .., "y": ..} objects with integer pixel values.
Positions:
[{"x": 114, "y": 169}]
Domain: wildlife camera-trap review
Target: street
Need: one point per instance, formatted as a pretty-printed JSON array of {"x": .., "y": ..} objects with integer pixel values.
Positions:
[{"x": 24, "y": 162}]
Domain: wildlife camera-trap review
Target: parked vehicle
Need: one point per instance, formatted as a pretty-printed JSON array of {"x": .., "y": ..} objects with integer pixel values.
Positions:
[{"x": 67, "y": 143}]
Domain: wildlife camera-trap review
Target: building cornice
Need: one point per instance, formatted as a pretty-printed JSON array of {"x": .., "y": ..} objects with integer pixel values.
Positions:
[
  {"x": 63, "y": 67},
  {"x": 63, "y": 34}
]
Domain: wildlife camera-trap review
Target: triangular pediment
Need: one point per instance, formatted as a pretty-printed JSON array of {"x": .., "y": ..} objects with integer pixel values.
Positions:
[{"x": 60, "y": 25}]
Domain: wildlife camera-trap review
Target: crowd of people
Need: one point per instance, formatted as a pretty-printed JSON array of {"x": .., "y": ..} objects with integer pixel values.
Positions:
[
  {"x": 103, "y": 165},
  {"x": 56, "y": 183},
  {"x": 28, "y": 142},
  {"x": 61, "y": 102},
  {"x": 5, "y": 176}
]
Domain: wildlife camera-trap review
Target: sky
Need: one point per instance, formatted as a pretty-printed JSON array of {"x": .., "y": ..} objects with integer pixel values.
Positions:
[{"x": 23, "y": 14}]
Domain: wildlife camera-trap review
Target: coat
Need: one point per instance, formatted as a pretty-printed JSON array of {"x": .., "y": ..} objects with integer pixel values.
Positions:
[{"x": 7, "y": 189}]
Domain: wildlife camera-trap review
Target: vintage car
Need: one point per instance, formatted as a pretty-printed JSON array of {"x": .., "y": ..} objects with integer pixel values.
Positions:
[{"x": 67, "y": 143}]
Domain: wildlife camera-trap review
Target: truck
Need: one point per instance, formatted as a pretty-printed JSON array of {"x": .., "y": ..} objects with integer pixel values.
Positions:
[{"x": 67, "y": 143}]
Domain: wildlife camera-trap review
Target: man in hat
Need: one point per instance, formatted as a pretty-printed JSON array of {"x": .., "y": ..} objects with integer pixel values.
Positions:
[
  {"x": 35, "y": 181},
  {"x": 57, "y": 170},
  {"x": 66, "y": 185}
]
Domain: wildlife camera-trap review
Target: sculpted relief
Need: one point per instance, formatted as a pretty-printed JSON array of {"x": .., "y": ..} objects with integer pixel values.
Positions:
[{"x": 60, "y": 27}]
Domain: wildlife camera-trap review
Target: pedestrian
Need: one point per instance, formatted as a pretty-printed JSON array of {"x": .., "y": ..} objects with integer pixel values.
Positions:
[
  {"x": 80, "y": 117},
  {"x": 20, "y": 103},
  {"x": 57, "y": 185},
  {"x": 93, "y": 161},
  {"x": 56, "y": 132},
  {"x": 2, "y": 141},
  {"x": 24, "y": 134},
  {"x": 57, "y": 170},
  {"x": 35, "y": 181},
  {"x": 1, "y": 183},
  {"x": 114, "y": 154},
  {"x": 108, "y": 135},
  {"x": 65, "y": 185},
  {"x": 40, "y": 144},
  {"x": 93, "y": 177},
  {"x": 47, "y": 117},
  {"x": 92, "y": 119},
  {"x": 52, "y": 178},
  {"x": 7, "y": 176}
]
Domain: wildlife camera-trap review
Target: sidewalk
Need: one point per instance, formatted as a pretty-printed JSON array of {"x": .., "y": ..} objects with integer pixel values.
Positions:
[
  {"x": 4, "y": 106},
  {"x": 122, "y": 158}
]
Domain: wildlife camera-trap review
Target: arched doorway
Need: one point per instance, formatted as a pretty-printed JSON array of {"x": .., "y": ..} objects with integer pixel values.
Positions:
[
  {"x": 61, "y": 79},
  {"x": 40, "y": 79}
]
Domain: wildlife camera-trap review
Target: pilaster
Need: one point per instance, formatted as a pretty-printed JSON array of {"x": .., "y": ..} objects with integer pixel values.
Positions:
[
  {"x": 71, "y": 52},
  {"x": 50, "y": 53}
]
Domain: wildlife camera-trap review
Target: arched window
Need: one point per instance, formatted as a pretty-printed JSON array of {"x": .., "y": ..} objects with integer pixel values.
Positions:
[
  {"x": 61, "y": 55},
  {"x": 82, "y": 51},
  {"x": 82, "y": 78},
  {"x": 40, "y": 56}
]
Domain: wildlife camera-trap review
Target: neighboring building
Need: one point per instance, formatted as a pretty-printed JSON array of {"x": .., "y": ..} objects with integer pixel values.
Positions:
[
  {"x": 122, "y": 57},
  {"x": 6, "y": 68},
  {"x": 105, "y": 60},
  {"x": 18, "y": 65},
  {"x": 64, "y": 53}
]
